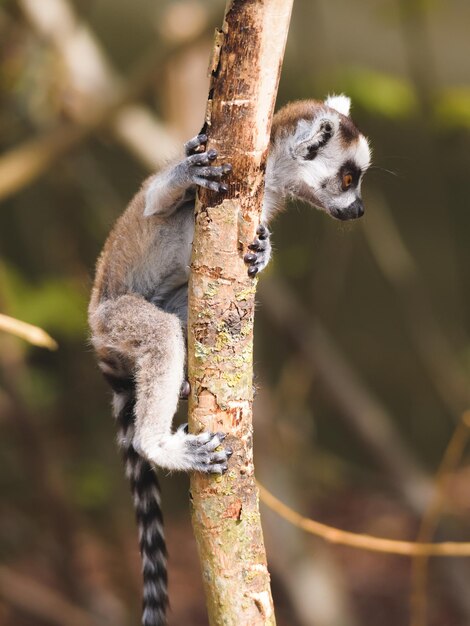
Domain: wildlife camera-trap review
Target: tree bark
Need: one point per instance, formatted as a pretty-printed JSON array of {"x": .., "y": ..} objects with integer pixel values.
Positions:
[{"x": 245, "y": 70}]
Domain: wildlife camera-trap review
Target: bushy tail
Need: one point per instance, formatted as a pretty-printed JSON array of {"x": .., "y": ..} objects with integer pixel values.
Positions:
[{"x": 147, "y": 504}]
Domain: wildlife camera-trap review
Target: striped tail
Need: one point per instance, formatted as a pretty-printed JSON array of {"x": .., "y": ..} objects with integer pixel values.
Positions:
[{"x": 147, "y": 504}]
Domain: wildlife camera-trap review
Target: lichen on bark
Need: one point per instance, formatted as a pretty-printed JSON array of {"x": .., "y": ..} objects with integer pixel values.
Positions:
[{"x": 245, "y": 71}]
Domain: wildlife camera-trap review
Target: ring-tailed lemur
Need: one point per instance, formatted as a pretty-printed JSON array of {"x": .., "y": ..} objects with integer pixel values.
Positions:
[{"x": 138, "y": 305}]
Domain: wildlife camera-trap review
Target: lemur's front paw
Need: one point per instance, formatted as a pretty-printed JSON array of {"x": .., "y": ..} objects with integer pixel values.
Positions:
[
  {"x": 200, "y": 450},
  {"x": 201, "y": 173},
  {"x": 197, "y": 165},
  {"x": 195, "y": 145},
  {"x": 261, "y": 251}
]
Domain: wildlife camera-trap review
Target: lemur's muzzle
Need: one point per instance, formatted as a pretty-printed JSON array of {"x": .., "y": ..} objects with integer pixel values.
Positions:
[{"x": 351, "y": 212}]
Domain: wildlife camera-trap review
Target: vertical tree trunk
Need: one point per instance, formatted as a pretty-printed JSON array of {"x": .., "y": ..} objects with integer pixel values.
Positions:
[{"x": 245, "y": 72}]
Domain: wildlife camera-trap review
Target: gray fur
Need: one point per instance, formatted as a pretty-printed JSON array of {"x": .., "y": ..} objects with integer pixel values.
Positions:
[{"x": 138, "y": 309}]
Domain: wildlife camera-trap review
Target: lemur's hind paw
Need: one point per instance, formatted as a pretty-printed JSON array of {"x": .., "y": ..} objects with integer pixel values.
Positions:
[
  {"x": 201, "y": 449},
  {"x": 260, "y": 253}
]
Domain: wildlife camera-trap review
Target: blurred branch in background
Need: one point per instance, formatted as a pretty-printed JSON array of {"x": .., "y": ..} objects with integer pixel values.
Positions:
[
  {"x": 363, "y": 413},
  {"x": 59, "y": 520},
  {"x": 312, "y": 578},
  {"x": 41, "y": 603},
  {"x": 34, "y": 335},
  {"x": 361, "y": 541},
  {"x": 22, "y": 165},
  {"x": 95, "y": 97},
  {"x": 308, "y": 570},
  {"x": 87, "y": 71},
  {"x": 419, "y": 51},
  {"x": 399, "y": 269},
  {"x": 36, "y": 459},
  {"x": 430, "y": 520}
]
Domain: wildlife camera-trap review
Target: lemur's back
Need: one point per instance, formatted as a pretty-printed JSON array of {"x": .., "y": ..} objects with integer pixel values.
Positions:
[{"x": 147, "y": 255}]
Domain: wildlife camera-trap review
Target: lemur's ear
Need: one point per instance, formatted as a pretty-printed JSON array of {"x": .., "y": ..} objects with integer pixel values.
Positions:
[
  {"x": 314, "y": 137},
  {"x": 340, "y": 103}
]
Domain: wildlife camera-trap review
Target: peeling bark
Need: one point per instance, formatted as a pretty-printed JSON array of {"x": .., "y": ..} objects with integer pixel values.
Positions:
[{"x": 245, "y": 70}]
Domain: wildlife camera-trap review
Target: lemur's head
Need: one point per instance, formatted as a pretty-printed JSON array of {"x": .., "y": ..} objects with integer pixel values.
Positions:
[{"x": 317, "y": 154}]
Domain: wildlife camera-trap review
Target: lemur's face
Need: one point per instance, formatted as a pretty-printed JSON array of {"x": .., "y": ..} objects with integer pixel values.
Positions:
[{"x": 326, "y": 159}]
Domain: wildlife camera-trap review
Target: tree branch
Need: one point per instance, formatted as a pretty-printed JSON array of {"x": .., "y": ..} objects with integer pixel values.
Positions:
[{"x": 245, "y": 71}]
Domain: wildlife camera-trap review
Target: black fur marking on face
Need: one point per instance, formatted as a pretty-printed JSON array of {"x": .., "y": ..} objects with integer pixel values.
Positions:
[
  {"x": 326, "y": 129},
  {"x": 350, "y": 167},
  {"x": 312, "y": 153}
]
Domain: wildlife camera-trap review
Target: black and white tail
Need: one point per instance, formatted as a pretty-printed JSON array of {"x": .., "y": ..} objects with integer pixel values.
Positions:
[{"x": 147, "y": 504}]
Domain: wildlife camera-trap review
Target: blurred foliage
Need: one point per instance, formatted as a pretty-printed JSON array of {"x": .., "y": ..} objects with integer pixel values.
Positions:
[
  {"x": 91, "y": 486},
  {"x": 392, "y": 97},
  {"x": 453, "y": 108},
  {"x": 54, "y": 304}
]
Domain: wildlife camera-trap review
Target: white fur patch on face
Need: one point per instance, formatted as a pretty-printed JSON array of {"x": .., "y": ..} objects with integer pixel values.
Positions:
[
  {"x": 340, "y": 103},
  {"x": 344, "y": 199},
  {"x": 362, "y": 154},
  {"x": 328, "y": 161}
]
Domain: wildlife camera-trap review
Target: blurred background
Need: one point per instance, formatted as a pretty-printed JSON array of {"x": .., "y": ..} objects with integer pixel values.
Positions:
[{"x": 362, "y": 330}]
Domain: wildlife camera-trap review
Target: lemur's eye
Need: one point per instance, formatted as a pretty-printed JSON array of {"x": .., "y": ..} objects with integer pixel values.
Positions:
[{"x": 347, "y": 181}]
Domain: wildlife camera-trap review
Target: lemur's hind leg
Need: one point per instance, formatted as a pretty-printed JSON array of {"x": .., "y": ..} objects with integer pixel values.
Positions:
[{"x": 153, "y": 341}]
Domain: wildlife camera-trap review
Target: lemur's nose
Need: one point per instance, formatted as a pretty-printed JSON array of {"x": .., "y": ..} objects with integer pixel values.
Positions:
[{"x": 354, "y": 210}]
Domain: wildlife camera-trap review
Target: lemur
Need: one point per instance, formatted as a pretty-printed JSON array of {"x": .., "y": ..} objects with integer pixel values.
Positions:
[{"x": 138, "y": 307}]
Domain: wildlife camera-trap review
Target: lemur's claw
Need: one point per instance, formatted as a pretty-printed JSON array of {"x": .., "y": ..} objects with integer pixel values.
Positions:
[
  {"x": 193, "y": 145},
  {"x": 212, "y": 154},
  {"x": 260, "y": 248},
  {"x": 262, "y": 232},
  {"x": 185, "y": 390}
]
